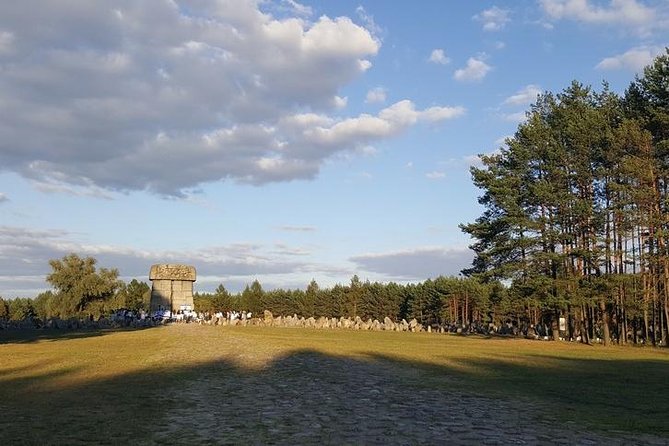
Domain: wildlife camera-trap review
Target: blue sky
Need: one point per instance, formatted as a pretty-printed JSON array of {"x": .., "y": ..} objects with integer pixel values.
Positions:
[{"x": 277, "y": 140}]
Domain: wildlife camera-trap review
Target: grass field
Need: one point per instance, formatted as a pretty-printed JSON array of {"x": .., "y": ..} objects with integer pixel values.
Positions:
[{"x": 252, "y": 385}]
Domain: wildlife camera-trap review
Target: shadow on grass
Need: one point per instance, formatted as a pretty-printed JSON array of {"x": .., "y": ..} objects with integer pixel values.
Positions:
[
  {"x": 26, "y": 336},
  {"x": 613, "y": 394},
  {"x": 308, "y": 397}
]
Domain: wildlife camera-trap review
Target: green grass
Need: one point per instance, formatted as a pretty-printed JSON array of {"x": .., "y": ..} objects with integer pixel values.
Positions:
[{"x": 112, "y": 386}]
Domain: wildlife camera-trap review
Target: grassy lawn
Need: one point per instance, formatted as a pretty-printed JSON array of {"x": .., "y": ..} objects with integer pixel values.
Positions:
[{"x": 114, "y": 386}]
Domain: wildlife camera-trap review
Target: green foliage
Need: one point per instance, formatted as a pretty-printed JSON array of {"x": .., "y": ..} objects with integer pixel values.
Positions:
[
  {"x": 81, "y": 290},
  {"x": 4, "y": 309},
  {"x": 21, "y": 309},
  {"x": 576, "y": 200},
  {"x": 135, "y": 296}
]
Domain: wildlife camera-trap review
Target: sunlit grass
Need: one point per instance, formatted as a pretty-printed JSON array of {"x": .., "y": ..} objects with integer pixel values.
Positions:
[{"x": 101, "y": 382}]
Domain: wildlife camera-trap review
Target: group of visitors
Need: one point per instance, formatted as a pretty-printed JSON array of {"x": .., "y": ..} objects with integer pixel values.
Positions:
[{"x": 186, "y": 314}]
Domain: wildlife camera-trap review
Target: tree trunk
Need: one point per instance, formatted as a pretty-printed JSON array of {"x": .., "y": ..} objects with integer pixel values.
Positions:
[
  {"x": 555, "y": 325},
  {"x": 606, "y": 329}
]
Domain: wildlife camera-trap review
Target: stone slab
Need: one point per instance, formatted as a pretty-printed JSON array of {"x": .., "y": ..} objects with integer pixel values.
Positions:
[{"x": 167, "y": 271}]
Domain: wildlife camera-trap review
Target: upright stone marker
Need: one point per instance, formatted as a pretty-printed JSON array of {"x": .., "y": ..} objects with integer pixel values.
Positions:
[{"x": 172, "y": 286}]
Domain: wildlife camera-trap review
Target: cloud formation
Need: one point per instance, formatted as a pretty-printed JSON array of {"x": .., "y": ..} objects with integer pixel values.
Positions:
[
  {"x": 475, "y": 70},
  {"x": 633, "y": 60},
  {"x": 439, "y": 57},
  {"x": 435, "y": 175},
  {"x": 164, "y": 96},
  {"x": 416, "y": 264},
  {"x": 628, "y": 13},
  {"x": 524, "y": 96},
  {"x": 376, "y": 95},
  {"x": 493, "y": 19}
]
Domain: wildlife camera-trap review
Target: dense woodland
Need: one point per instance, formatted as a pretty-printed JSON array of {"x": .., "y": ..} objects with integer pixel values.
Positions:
[
  {"x": 575, "y": 228},
  {"x": 576, "y": 216}
]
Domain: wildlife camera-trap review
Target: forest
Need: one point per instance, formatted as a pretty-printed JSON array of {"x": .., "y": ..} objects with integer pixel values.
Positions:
[
  {"x": 574, "y": 236},
  {"x": 576, "y": 217}
]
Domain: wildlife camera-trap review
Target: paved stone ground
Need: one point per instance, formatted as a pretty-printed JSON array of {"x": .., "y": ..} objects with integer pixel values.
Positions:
[{"x": 310, "y": 399}]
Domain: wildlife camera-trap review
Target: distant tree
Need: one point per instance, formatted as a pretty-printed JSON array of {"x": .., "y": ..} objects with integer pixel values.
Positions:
[
  {"x": 354, "y": 293},
  {"x": 43, "y": 304},
  {"x": 311, "y": 296},
  {"x": 81, "y": 290},
  {"x": 138, "y": 295},
  {"x": 21, "y": 308},
  {"x": 4, "y": 309},
  {"x": 252, "y": 298},
  {"x": 221, "y": 299}
]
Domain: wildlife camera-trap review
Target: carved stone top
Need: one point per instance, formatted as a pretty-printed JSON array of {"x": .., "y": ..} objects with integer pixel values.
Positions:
[{"x": 172, "y": 272}]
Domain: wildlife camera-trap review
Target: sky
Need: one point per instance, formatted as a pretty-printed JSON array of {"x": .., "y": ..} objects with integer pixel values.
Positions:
[{"x": 277, "y": 140}]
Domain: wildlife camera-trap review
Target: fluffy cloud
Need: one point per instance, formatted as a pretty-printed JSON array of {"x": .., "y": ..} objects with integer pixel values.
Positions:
[
  {"x": 515, "y": 117},
  {"x": 164, "y": 96},
  {"x": 633, "y": 60},
  {"x": 524, "y": 96},
  {"x": 439, "y": 57},
  {"x": 435, "y": 175},
  {"x": 475, "y": 70},
  {"x": 3, "y": 197},
  {"x": 493, "y": 19},
  {"x": 375, "y": 95},
  {"x": 629, "y": 13},
  {"x": 416, "y": 264}
]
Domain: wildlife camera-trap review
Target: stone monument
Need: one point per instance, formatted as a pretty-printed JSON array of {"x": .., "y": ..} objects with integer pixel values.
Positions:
[{"x": 171, "y": 287}]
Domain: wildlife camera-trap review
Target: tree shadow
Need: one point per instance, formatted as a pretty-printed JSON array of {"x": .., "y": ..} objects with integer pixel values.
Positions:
[
  {"x": 307, "y": 397},
  {"x": 615, "y": 394},
  {"x": 27, "y": 336}
]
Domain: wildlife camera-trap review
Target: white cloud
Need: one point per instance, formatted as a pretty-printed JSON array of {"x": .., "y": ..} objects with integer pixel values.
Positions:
[
  {"x": 629, "y": 13},
  {"x": 633, "y": 60},
  {"x": 339, "y": 102},
  {"x": 517, "y": 117},
  {"x": 150, "y": 97},
  {"x": 3, "y": 197},
  {"x": 357, "y": 132},
  {"x": 375, "y": 95},
  {"x": 472, "y": 160},
  {"x": 493, "y": 19},
  {"x": 298, "y": 228},
  {"x": 499, "y": 45},
  {"x": 299, "y": 8},
  {"x": 368, "y": 21},
  {"x": 435, "y": 175},
  {"x": 439, "y": 57},
  {"x": 475, "y": 70},
  {"x": 502, "y": 140},
  {"x": 524, "y": 96},
  {"x": 6, "y": 42},
  {"x": 416, "y": 264},
  {"x": 368, "y": 151}
]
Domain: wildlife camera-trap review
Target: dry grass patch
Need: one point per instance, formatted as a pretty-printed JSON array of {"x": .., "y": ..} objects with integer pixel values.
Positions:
[{"x": 150, "y": 385}]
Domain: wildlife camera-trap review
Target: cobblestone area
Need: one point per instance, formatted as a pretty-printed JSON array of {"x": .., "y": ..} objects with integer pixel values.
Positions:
[{"x": 309, "y": 399}]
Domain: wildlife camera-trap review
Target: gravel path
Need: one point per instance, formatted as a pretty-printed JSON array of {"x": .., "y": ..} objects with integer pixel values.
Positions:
[{"x": 308, "y": 398}]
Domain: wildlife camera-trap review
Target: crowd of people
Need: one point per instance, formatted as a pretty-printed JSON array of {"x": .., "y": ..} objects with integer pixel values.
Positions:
[{"x": 186, "y": 314}]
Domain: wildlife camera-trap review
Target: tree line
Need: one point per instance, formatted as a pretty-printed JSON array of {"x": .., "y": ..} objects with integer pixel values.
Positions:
[
  {"x": 442, "y": 301},
  {"x": 81, "y": 290},
  {"x": 576, "y": 217}
]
